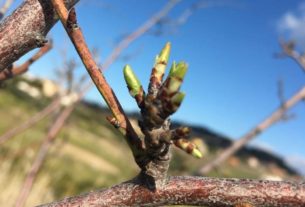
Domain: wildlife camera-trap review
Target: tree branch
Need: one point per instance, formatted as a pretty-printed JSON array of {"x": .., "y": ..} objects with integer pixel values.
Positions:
[
  {"x": 273, "y": 118},
  {"x": 280, "y": 113},
  {"x": 18, "y": 70},
  {"x": 30, "y": 122},
  {"x": 68, "y": 19},
  {"x": 43, "y": 150},
  {"x": 194, "y": 191},
  {"x": 26, "y": 29},
  {"x": 289, "y": 51},
  {"x": 139, "y": 32}
]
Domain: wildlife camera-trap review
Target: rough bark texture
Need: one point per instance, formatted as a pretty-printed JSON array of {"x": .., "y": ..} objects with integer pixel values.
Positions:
[
  {"x": 19, "y": 70},
  {"x": 194, "y": 191},
  {"x": 26, "y": 29}
]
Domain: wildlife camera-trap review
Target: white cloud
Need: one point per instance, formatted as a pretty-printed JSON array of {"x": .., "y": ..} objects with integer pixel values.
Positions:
[{"x": 292, "y": 25}]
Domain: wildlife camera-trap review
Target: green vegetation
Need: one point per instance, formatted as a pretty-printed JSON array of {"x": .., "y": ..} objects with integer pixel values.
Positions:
[{"x": 88, "y": 154}]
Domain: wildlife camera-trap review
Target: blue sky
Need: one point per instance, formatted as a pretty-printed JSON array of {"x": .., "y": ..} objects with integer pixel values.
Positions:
[{"x": 232, "y": 80}]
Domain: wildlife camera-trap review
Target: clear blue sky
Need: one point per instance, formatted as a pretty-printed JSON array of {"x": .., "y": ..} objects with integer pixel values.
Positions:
[{"x": 232, "y": 80}]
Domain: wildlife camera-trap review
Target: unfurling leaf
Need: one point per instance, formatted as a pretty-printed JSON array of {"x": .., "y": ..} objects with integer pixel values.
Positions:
[
  {"x": 160, "y": 65},
  {"x": 179, "y": 70}
]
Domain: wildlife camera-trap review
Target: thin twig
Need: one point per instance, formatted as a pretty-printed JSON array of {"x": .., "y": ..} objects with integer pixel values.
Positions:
[
  {"x": 139, "y": 32},
  {"x": 289, "y": 51},
  {"x": 43, "y": 150},
  {"x": 195, "y": 191},
  {"x": 238, "y": 144},
  {"x": 30, "y": 122},
  {"x": 18, "y": 70},
  {"x": 76, "y": 36}
]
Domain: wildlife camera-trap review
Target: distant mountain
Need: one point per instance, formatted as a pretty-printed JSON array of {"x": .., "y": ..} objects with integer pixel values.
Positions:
[{"x": 216, "y": 141}]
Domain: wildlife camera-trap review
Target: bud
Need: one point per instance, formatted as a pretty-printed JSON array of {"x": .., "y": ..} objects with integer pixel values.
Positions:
[
  {"x": 161, "y": 62},
  {"x": 178, "y": 70},
  {"x": 164, "y": 54},
  {"x": 132, "y": 81},
  {"x": 188, "y": 147},
  {"x": 175, "y": 77},
  {"x": 178, "y": 98}
]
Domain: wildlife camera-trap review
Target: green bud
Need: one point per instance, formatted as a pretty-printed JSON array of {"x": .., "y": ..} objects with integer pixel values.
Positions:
[
  {"x": 196, "y": 153},
  {"x": 188, "y": 147},
  {"x": 161, "y": 62},
  {"x": 164, "y": 54},
  {"x": 132, "y": 81},
  {"x": 178, "y": 70}
]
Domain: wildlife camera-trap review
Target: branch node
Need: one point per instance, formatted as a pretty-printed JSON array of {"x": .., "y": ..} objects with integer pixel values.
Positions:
[
  {"x": 72, "y": 20},
  {"x": 40, "y": 40}
]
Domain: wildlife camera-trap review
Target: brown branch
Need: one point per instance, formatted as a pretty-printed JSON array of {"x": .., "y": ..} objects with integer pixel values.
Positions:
[
  {"x": 139, "y": 32},
  {"x": 81, "y": 94},
  {"x": 76, "y": 36},
  {"x": 26, "y": 29},
  {"x": 194, "y": 191},
  {"x": 7, "y": 4},
  {"x": 43, "y": 150},
  {"x": 289, "y": 51},
  {"x": 30, "y": 122},
  {"x": 18, "y": 70},
  {"x": 238, "y": 144}
]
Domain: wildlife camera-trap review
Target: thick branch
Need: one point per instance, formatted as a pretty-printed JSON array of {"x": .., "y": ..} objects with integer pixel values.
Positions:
[
  {"x": 26, "y": 29},
  {"x": 238, "y": 144},
  {"x": 194, "y": 191},
  {"x": 18, "y": 70}
]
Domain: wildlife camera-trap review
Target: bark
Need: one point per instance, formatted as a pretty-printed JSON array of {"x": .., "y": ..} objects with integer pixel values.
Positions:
[
  {"x": 194, "y": 191},
  {"x": 19, "y": 70},
  {"x": 26, "y": 29},
  {"x": 238, "y": 144},
  {"x": 43, "y": 151},
  {"x": 69, "y": 22}
]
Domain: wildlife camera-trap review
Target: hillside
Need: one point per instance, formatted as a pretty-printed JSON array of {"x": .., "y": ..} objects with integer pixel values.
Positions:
[{"x": 89, "y": 154}]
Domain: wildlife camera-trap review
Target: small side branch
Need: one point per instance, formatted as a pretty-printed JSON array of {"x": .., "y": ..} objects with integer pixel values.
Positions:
[
  {"x": 30, "y": 122},
  {"x": 43, "y": 151},
  {"x": 18, "y": 70},
  {"x": 238, "y": 144},
  {"x": 195, "y": 191},
  {"x": 139, "y": 32},
  {"x": 290, "y": 51}
]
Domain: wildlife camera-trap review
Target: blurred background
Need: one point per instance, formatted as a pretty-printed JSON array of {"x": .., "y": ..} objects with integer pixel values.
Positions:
[{"x": 238, "y": 75}]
